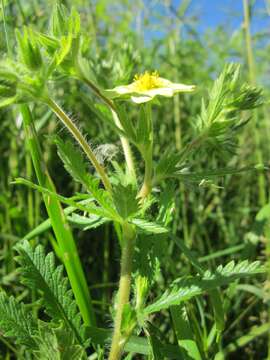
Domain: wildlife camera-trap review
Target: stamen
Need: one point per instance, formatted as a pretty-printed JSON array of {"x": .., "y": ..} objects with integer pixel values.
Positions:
[{"x": 147, "y": 81}]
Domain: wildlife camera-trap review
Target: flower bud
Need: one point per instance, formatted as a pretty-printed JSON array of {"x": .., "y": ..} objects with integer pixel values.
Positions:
[{"x": 29, "y": 49}]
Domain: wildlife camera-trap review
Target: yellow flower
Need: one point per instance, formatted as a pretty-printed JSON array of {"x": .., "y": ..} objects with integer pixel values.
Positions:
[{"x": 146, "y": 86}]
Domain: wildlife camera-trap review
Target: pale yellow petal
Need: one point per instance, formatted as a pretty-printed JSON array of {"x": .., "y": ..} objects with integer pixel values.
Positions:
[
  {"x": 168, "y": 92},
  {"x": 141, "y": 99},
  {"x": 182, "y": 87},
  {"x": 124, "y": 89}
]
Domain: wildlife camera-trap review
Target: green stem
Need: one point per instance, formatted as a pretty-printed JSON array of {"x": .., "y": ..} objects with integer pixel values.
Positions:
[
  {"x": 126, "y": 148},
  {"x": 118, "y": 340},
  {"x": 125, "y": 143},
  {"x": 30, "y": 200},
  {"x": 147, "y": 152},
  {"x": 250, "y": 59},
  {"x": 63, "y": 234},
  {"x": 252, "y": 78},
  {"x": 147, "y": 183},
  {"x": 258, "y": 152},
  {"x": 81, "y": 141},
  {"x": 5, "y": 28}
]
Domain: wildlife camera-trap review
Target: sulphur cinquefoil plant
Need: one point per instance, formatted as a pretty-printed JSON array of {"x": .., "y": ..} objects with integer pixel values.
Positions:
[{"x": 139, "y": 205}]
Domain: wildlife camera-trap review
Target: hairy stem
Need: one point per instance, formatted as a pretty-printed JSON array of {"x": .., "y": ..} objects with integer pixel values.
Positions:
[
  {"x": 118, "y": 340},
  {"x": 125, "y": 143},
  {"x": 81, "y": 141}
]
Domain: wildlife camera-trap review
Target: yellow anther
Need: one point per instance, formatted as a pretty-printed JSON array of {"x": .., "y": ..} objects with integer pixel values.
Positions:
[{"x": 147, "y": 81}]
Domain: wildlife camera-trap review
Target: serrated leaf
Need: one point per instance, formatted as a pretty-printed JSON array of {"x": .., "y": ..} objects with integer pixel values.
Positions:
[
  {"x": 220, "y": 117},
  {"x": 16, "y": 321},
  {"x": 86, "y": 222},
  {"x": 75, "y": 165},
  {"x": 185, "y": 289},
  {"x": 106, "y": 211},
  {"x": 214, "y": 294},
  {"x": 169, "y": 163},
  {"x": 46, "y": 224},
  {"x": 56, "y": 344},
  {"x": 73, "y": 160},
  {"x": 149, "y": 227},
  {"x": 185, "y": 175},
  {"x": 125, "y": 200},
  {"x": 40, "y": 272}
]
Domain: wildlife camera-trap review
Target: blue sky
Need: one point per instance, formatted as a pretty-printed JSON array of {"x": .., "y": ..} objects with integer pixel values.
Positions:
[
  {"x": 209, "y": 14},
  {"x": 212, "y": 13}
]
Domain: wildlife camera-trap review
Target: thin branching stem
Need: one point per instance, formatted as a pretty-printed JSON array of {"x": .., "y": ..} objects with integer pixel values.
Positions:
[
  {"x": 81, "y": 141},
  {"x": 124, "y": 141},
  {"x": 119, "y": 340}
]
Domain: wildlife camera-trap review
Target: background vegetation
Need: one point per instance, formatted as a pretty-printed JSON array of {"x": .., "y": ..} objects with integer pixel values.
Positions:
[{"x": 217, "y": 222}]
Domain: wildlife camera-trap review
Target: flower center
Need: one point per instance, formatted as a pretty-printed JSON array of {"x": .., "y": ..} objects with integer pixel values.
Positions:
[{"x": 147, "y": 81}]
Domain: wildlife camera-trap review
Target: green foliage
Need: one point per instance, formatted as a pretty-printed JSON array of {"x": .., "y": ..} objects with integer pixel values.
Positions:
[
  {"x": 39, "y": 272},
  {"x": 29, "y": 50},
  {"x": 56, "y": 344},
  {"x": 173, "y": 228},
  {"x": 16, "y": 321},
  {"x": 149, "y": 227},
  {"x": 184, "y": 289},
  {"x": 168, "y": 165},
  {"x": 73, "y": 161},
  {"x": 125, "y": 200},
  {"x": 219, "y": 119},
  {"x": 99, "y": 194},
  {"x": 184, "y": 334}
]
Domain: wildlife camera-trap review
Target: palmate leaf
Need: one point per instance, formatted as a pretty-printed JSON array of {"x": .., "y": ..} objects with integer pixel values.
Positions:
[
  {"x": 39, "y": 272},
  {"x": 16, "y": 321},
  {"x": 185, "y": 289}
]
